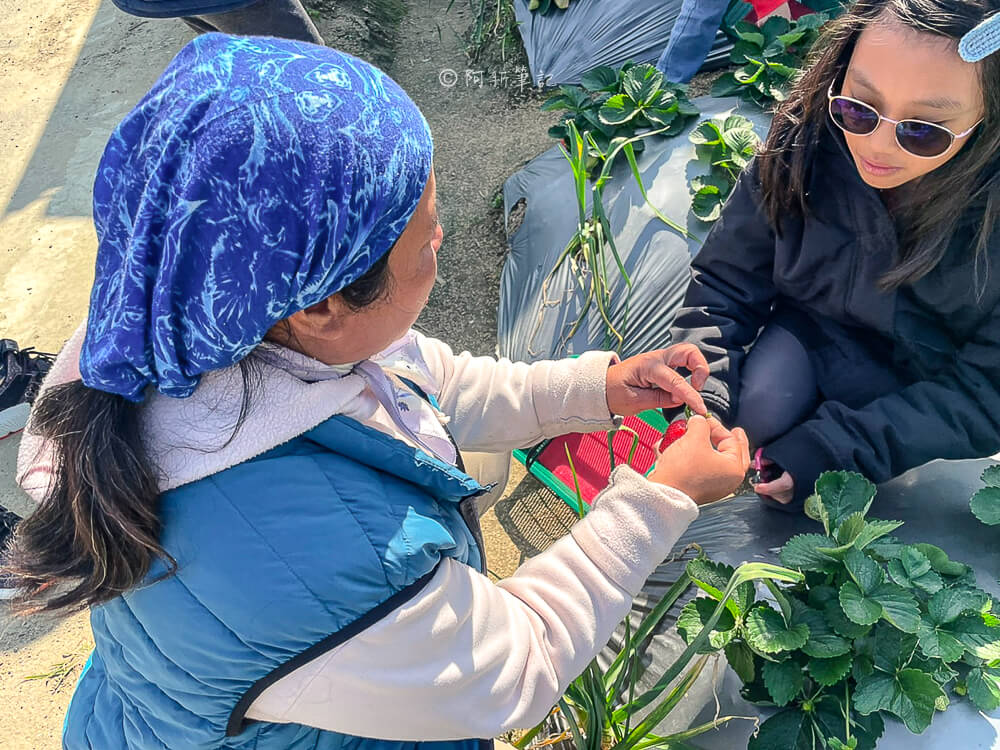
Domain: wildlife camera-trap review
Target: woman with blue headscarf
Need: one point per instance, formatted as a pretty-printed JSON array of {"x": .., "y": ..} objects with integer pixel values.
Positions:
[{"x": 250, "y": 468}]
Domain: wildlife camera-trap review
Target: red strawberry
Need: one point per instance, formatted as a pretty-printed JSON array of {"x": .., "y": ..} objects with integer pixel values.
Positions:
[{"x": 674, "y": 433}]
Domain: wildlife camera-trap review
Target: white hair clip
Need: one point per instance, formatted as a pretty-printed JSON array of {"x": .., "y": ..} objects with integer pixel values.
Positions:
[{"x": 982, "y": 41}]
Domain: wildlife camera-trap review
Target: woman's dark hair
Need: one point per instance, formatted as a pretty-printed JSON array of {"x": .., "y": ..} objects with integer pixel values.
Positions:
[
  {"x": 96, "y": 533},
  {"x": 370, "y": 287},
  {"x": 931, "y": 212}
]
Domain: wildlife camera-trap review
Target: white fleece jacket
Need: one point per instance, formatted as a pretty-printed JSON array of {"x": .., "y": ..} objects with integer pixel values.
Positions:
[{"x": 467, "y": 657}]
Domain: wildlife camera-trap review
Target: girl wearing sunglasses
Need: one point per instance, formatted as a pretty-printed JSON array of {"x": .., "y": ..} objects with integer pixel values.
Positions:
[{"x": 845, "y": 299}]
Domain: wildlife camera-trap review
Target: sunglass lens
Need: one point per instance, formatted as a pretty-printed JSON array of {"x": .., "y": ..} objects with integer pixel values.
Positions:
[
  {"x": 923, "y": 138},
  {"x": 854, "y": 117}
]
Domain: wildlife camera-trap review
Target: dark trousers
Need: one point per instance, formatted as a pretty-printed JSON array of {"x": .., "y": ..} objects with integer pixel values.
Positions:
[
  {"x": 281, "y": 18},
  {"x": 795, "y": 365}
]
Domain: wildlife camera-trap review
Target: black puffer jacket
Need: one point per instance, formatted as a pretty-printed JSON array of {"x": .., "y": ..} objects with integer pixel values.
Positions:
[{"x": 941, "y": 340}]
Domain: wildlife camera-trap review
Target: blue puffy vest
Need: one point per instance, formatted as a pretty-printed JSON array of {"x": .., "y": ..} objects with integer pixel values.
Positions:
[{"x": 280, "y": 559}]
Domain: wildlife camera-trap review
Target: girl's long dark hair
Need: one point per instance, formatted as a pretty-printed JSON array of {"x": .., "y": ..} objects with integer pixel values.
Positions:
[
  {"x": 96, "y": 533},
  {"x": 931, "y": 212}
]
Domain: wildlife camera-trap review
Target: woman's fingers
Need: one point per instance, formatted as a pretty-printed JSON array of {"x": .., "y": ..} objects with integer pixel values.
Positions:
[
  {"x": 781, "y": 489},
  {"x": 676, "y": 390},
  {"x": 732, "y": 442},
  {"x": 690, "y": 357}
]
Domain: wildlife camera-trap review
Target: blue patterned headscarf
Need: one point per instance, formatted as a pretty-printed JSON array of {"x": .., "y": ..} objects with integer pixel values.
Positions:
[{"x": 257, "y": 177}]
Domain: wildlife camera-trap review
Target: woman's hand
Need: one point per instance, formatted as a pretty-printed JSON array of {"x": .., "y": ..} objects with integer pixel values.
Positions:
[
  {"x": 781, "y": 489},
  {"x": 649, "y": 381},
  {"x": 708, "y": 463}
]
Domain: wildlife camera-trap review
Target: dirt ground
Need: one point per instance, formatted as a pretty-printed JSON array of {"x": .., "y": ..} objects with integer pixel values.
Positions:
[{"x": 69, "y": 71}]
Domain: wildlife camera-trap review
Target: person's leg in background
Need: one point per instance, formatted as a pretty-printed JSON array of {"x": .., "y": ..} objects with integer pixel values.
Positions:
[
  {"x": 691, "y": 38},
  {"x": 281, "y": 18},
  {"x": 21, "y": 374},
  {"x": 778, "y": 386}
]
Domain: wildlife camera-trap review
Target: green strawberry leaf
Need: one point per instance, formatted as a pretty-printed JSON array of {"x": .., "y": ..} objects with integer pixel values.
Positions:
[
  {"x": 828, "y": 713},
  {"x": 985, "y": 505},
  {"x": 886, "y": 600},
  {"x": 815, "y": 510},
  {"x": 892, "y": 649},
  {"x": 811, "y": 22},
  {"x": 785, "y": 71},
  {"x": 941, "y": 641},
  {"x": 844, "y": 493},
  {"x": 789, "y": 729},
  {"x": 863, "y": 666},
  {"x": 721, "y": 184},
  {"x": 820, "y": 595},
  {"x": 618, "y": 110},
  {"x": 792, "y": 37},
  {"x": 850, "y": 528},
  {"x": 742, "y": 50},
  {"x": 783, "y": 680},
  {"x": 725, "y": 85},
  {"x": 936, "y": 668},
  {"x": 984, "y": 688},
  {"x": 948, "y": 604},
  {"x": 910, "y": 695},
  {"x": 940, "y": 562},
  {"x": 829, "y": 672},
  {"x": 713, "y": 577},
  {"x": 802, "y": 553},
  {"x": 859, "y": 609},
  {"x": 601, "y": 78},
  {"x": 991, "y": 476},
  {"x": 767, "y": 632},
  {"x": 642, "y": 83},
  {"x": 823, "y": 642},
  {"x": 875, "y": 529},
  {"x": 556, "y": 101},
  {"x": 693, "y": 617},
  {"x": 887, "y": 548},
  {"x": 707, "y": 204},
  {"x": 707, "y": 133},
  {"x": 686, "y": 109},
  {"x": 899, "y": 608},
  {"x": 754, "y": 38},
  {"x": 659, "y": 118},
  {"x": 979, "y": 638},
  {"x": 866, "y": 572},
  {"x": 774, "y": 27},
  {"x": 841, "y": 624},
  {"x": 741, "y": 659},
  {"x": 913, "y": 569},
  {"x": 742, "y": 141}
]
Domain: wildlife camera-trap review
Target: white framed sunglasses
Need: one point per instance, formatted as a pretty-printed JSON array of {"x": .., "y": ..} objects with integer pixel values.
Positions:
[{"x": 925, "y": 140}]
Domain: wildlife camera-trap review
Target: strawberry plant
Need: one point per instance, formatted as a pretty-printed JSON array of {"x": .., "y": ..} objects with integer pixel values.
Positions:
[
  {"x": 727, "y": 146},
  {"x": 601, "y": 707},
  {"x": 986, "y": 503},
  {"x": 771, "y": 55},
  {"x": 617, "y": 104},
  {"x": 876, "y": 627},
  {"x": 592, "y": 246}
]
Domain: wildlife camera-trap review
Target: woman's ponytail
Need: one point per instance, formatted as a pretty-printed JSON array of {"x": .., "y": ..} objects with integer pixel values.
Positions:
[{"x": 96, "y": 533}]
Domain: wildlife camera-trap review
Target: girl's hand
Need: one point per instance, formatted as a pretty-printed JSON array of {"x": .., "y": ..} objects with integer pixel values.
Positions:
[
  {"x": 649, "y": 381},
  {"x": 708, "y": 463},
  {"x": 781, "y": 489}
]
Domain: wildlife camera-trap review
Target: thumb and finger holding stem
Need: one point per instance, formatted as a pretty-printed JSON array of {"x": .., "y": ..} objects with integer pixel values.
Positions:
[{"x": 702, "y": 455}]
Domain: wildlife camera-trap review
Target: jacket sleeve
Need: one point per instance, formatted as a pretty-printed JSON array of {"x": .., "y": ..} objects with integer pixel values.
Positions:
[
  {"x": 497, "y": 406},
  {"x": 730, "y": 294},
  {"x": 471, "y": 658},
  {"x": 954, "y": 416}
]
